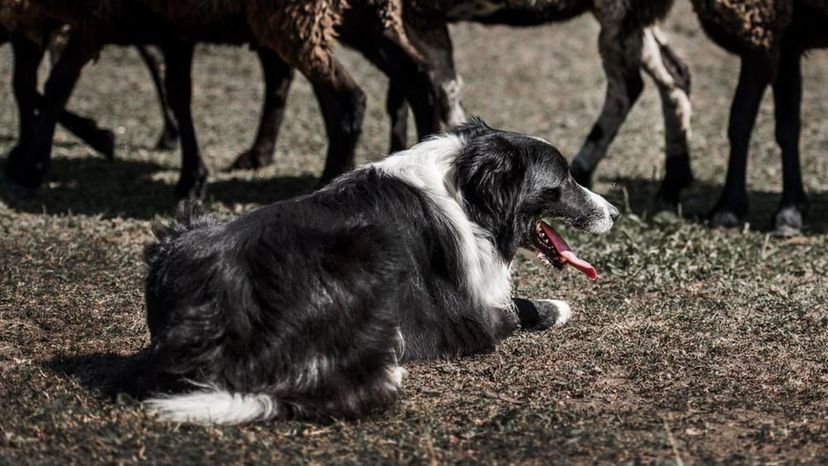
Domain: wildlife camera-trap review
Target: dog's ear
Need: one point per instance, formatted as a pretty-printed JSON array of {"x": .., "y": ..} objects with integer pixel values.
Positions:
[{"x": 490, "y": 175}]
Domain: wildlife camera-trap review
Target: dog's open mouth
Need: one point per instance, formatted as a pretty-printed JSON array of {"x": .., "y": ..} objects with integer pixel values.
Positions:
[{"x": 554, "y": 250}]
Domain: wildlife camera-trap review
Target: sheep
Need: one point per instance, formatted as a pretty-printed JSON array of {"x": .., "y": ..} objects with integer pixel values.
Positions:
[
  {"x": 770, "y": 37},
  {"x": 86, "y": 129},
  {"x": 624, "y": 50},
  {"x": 30, "y": 34},
  {"x": 296, "y": 35},
  {"x": 628, "y": 42}
]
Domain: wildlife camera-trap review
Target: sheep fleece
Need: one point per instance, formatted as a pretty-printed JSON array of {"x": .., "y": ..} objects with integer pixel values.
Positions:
[{"x": 755, "y": 23}]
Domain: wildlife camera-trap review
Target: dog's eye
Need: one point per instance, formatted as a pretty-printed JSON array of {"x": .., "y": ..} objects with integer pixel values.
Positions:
[{"x": 552, "y": 194}]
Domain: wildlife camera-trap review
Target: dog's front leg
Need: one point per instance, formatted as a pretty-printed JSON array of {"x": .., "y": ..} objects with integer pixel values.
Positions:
[{"x": 540, "y": 314}]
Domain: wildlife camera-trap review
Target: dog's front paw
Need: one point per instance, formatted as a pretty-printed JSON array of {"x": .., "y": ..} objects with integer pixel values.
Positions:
[
  {"x": 540, "y": 314},
  {"x": 552, "y": 312}
]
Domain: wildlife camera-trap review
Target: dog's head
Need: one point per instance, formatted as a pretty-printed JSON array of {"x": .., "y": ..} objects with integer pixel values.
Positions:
[{"x": 510, "y": 182}]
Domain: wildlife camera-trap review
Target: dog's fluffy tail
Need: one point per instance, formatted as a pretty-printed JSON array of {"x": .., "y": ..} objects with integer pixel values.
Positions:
[
  {"x": 190, "y": 215},
  {"x": 212, "y": 405}
]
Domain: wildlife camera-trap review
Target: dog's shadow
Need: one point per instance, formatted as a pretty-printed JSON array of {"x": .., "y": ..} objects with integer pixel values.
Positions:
[
  {"x": 104, "y": 374},
  {"x": 128, "y": 188},
  {"x": 119, "y": 379},
  {"x": 638, "y": 195}
]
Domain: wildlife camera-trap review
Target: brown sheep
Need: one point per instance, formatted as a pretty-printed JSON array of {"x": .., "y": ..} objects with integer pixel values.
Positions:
[
  {"x": 30, "y": 32},
  {"x": 292, "y": 34},
  {"x": 351, "y": 33},
  {"x": 29, "y": 39},
  {"x": 770, "y": 37}
]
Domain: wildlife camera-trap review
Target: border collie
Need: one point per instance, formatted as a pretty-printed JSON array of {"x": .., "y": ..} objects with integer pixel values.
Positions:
[{"x": 307, "y": 306}]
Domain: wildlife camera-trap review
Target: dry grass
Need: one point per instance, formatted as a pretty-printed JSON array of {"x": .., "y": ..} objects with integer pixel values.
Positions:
[{"x": 695, "y": 346}]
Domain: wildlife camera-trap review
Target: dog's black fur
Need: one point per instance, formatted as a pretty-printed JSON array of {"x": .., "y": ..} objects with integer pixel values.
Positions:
[{"x": 309, "y": 304}]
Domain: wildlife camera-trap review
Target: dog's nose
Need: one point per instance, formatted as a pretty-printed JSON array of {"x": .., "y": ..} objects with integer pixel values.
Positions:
[{"x": 614, "y": 213}]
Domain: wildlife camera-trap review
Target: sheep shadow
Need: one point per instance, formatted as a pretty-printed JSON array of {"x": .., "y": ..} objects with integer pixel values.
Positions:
[
  {"x": 638, "y": 194},
  {"x": 129, "y": 189},
  {"x": 260, "y": 191},
  {"x": 105, "y": 374}
]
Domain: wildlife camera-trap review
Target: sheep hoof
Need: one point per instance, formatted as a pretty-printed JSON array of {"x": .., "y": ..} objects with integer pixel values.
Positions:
[
  {"x": 250, "y": 160},
  {"x": 731, "y": 209},
  {"x": 23, "y": 178},
  {"x": 667, "y": 204},
  {"x": 104, "y": 143},
  {"x": 725, "y": 219},
  {"x": 18, "y": 191},
  {"x": 669, "y": 193},
  {"x": 788, "y": 222},
  {"x": 192, "y": 187},
  {"x": 167, "y": 141}
]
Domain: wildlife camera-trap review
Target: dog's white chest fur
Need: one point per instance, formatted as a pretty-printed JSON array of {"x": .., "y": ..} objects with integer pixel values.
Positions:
[{"x": 429, "y": 167}]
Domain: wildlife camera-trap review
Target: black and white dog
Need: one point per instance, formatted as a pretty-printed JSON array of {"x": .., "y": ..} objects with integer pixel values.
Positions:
[{"x": 307, "y": 306}]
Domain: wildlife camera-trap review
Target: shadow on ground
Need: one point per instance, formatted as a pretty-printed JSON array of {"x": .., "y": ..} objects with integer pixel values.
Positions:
[
  {"x": 699, "y": 199},
  {"x": 107, "y": 374},
  {"x": 127, "y": 188},
  {"x": 260, "y": 191}
]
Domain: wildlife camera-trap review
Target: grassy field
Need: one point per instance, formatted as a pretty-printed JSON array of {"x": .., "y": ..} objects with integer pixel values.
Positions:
[{"x": 694, "y": 346}]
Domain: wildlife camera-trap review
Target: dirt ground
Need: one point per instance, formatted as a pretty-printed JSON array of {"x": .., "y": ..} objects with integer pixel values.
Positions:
[{"x": 694, "y": 346}]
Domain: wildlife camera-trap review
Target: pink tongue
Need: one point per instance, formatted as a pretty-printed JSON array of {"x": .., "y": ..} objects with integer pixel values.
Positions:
[{"x": 566, "y": 254}]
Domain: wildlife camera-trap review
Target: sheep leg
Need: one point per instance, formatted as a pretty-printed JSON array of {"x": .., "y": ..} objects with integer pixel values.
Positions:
[
  {"x": 342, "y": 103},
  {"x": 672, "y": 78},
  {"x": 154, "y": 59},
  {"x": 413, "y": 75},
  {"x": 28, "y": 163},
  {"x": 754, "y": 77},
  {"x": 278, "y": 76},
  {"x": 192, "y": 181},
  {"x": 434, "y": 42},
  {"x": 87, "y": 129},
  {"x": 27, "y": 58},
  {"x": 397, "y": 109},
  {"x": 410, "y": 73},
  {"x": 410, "y": 67},
  {"x": 621, "y": 57},
  {"x": 395, "y": 104},
  {"x": 100, "y": 139},
  {"x": 787, "y": 99}
]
